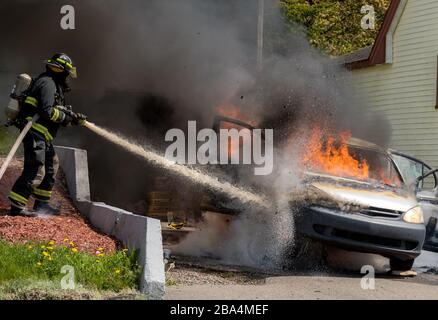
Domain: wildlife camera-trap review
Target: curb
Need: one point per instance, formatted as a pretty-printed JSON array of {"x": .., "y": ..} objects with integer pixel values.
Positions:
[{"x": 136, "y": 232}]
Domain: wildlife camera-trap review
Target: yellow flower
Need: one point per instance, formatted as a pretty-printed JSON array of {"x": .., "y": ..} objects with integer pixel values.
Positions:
[
  {"x": 72, "y": 243},
  {"x": 39, "y": 264},
  {"x": 50, "y": 258},
  {"x": 43, "y": 247},
  {"x": 117, "y": 271},
  {"x": 46, "y": 254},
  {"x": 50, "y": 248},
  {"x": 66, "y": 240},
  {"x": 100, "y": 254},
  {"x": 74, "y": 250},
  {"x": 100, "y": 249},
  {"x": 98, "y": 261},
  {"x": 51, "y": 242}
]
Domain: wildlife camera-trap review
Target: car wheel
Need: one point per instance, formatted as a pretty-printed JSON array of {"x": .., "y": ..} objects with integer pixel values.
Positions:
[{"x": 401, "y": 265}]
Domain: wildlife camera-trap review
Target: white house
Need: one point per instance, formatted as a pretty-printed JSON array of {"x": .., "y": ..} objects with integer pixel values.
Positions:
[{"x": 397, "y": 77}]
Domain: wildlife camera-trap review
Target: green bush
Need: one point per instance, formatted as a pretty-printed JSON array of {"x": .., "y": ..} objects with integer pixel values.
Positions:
[
  {"x": 114, "y": 271},
  {"x": 334, "y": 25}
]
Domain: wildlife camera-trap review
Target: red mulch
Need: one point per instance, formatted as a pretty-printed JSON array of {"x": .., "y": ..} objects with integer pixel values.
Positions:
[{"x": 69, "y": 225}]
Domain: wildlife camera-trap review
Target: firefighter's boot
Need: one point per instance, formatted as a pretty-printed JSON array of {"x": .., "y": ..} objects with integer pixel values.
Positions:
[
  {"x": 45, "y": 208},
  {"x": 15, "y": 212}
]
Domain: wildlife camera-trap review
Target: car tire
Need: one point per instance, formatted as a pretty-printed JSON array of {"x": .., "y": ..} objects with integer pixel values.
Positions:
[{"x": 401, "y": 265}]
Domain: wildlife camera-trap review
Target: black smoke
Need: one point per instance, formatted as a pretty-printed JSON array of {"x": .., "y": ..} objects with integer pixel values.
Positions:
[{"x": 147, "y": 66}]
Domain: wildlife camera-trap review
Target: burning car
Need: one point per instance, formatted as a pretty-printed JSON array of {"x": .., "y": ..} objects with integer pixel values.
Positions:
[{"x": 354, "y": 196}]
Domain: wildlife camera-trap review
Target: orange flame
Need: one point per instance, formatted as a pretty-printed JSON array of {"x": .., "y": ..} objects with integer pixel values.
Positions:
[
  {"x": 333, "y": 157},
  {"x": 231, "y": 111}
]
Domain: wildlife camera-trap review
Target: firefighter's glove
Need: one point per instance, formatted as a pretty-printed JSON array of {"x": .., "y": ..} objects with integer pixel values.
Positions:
[{"x": 79, "y": 119}]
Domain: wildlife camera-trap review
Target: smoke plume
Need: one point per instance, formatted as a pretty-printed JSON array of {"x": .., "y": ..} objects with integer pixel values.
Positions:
[{"x": 148, "y": 66}]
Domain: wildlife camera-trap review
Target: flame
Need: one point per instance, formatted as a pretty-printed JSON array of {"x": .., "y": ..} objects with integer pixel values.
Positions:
[
  {"x": 231, "y": 111},
  {"x": 333, "y": 157}
]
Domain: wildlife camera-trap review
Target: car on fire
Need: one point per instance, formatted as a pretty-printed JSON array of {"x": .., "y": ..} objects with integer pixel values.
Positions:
[
  {"x": 379, "y": 214},
  {"x": 388, "y": 206}
]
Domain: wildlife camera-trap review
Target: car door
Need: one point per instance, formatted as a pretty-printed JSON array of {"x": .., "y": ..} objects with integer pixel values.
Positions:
[{"x": 426, "y": 191}]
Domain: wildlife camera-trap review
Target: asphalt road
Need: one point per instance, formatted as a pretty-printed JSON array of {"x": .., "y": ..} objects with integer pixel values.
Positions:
[
  {"x": 313, "y": 287},
  {"x": 327, "y": 285}
]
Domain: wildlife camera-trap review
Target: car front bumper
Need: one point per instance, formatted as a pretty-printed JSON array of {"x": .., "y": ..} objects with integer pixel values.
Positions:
[{"x": 357, "y": 232}]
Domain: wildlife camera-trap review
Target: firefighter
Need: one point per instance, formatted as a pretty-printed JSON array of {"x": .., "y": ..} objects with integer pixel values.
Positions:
[{"x": 46, "y": 98}]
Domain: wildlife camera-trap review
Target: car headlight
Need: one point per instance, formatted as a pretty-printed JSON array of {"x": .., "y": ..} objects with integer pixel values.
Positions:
[{"x": 414, "y": 215}]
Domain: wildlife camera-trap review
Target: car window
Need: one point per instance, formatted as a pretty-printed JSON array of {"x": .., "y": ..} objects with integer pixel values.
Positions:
[
  {"x": 380, "y": 166},
  {"x": 411, "y": 170}
]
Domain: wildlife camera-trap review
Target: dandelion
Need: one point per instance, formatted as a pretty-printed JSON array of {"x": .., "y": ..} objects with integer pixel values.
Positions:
[
  {"x": 117, "y": 271},
  {"x": 39, "y": 264},
  {"x": 100, "y": 255},
  {"x": 74, "y": 250},
  {"x": 46, "y": 254},
  {"x": 100, "y": 249},
  {"x": 43, "y": 247},
  {"x": 66, "y": 240},
  {"x": 51, "y": 243},
  {"x": 72, "y": 243},
  {"x": 50, "y": 248}
]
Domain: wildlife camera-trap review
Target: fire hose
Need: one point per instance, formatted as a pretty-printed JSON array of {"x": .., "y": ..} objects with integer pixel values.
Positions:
[{"x": 17, "y": 144}]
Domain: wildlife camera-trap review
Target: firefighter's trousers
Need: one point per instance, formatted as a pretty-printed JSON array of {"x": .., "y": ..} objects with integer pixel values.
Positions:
[{"x": 38, "y": 176}]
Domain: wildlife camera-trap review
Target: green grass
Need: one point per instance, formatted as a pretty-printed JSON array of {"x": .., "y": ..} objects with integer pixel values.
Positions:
[
  {"x": 49, "y": 290},
  {"x": 43, "y": 262}
]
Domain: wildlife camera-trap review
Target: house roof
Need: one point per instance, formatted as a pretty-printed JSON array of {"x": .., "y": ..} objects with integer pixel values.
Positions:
[
  {"x": 358, "y": 55},
  {"x": 377, "y": 54}
]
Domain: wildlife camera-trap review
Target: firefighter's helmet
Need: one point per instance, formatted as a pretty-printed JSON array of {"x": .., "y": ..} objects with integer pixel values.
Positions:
[{"x": 62, "y": 63}]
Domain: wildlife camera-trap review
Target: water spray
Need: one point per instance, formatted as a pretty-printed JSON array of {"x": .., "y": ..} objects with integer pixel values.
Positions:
[{"x": 195, "y": 176}]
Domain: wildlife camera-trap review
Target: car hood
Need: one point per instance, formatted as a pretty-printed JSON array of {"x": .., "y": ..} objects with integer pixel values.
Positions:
[{"x": 366, "y": 196}]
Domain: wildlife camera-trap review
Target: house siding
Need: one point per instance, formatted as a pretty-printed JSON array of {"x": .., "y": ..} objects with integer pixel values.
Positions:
[{"x": 405, "y": 91}]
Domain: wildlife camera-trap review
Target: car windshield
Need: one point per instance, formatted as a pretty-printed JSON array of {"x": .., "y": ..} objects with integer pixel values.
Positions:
[
  {"x": 380, "y": 168},
  {"x": 357, "y": 163}
]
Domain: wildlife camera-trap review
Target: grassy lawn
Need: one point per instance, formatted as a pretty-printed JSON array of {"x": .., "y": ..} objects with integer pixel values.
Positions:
[{"x": 34, "y": 271}]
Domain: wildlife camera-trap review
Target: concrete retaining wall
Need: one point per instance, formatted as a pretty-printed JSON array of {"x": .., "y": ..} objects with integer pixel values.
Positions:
[{"x": 136, "y": 232}]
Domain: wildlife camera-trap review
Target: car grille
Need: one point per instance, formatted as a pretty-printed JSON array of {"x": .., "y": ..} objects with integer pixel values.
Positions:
[
  {"x": 379, "y": 212},
  {"x": 376, "y": 240}
]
